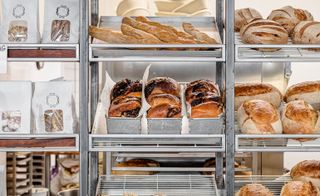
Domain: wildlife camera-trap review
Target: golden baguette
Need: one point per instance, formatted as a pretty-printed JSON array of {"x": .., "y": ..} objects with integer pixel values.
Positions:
[
  {"x": 142, "y": 36},
  {"x": 110, "y": 36},
  {"x": 198, "y": 35}
]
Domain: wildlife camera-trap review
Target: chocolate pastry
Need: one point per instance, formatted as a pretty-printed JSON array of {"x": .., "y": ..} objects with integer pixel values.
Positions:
[
  {"x": 210, "y": 109},
  {"x": 125, "y": 106},
  {"x": 200, "y": 88},
  {"x": 164, "y": 111},
  {"x": 126, "y": 87},
  {"x": 159, "y": 99},
  {"x": 162, "y": 85}
]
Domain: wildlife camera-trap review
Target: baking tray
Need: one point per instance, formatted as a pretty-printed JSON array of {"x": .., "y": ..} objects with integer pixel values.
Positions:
[
  {"x": 123, "y": 125},
  {"x": 206, "y": 125},
  {"x": 164, "y": 125}
]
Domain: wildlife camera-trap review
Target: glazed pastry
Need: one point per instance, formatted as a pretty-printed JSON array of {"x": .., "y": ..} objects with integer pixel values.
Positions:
[
  {"x": 164, "y": 111},
  {"x": 307, "y": 171},
  {"x": 200, "y": 88},
  {"x": 289, "y": 17},
  {"x": 162, "y": 85},
  {"x": 259, "y": 117},
  {"x": 158, "y": 99},
  {"x": 209, "y": 109},
  {"x": 125, "y": 106},
  {"x": 126, "y": 87},
  {"x": 254, "y": 190},
  {"x": 298, "y": 188},
  {"x": 244, "y": 16},
  {"x": 264, "y": 32}
]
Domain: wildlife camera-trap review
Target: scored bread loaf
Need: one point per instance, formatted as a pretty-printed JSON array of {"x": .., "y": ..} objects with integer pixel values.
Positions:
[
  {"x": 307, "y": 171},
  {"x": 307, "y": 32},
  {"x": 264, "y": 32},
  {"x": 298, "y": 117},
  {"x": 289, "y": 17},
  {"x": 244, "y": 16},
  {"x": 262, "y": 91},
  {"x": 308, "y": 91},
  {"x": 254, "y": 190},
  {"x": 259, "y": 117},
  {"x": 298, "y": 188}
]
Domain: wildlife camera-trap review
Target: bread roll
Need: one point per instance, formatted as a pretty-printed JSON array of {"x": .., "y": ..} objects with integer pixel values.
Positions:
[
  {"x": 125, "y": 106},
  {"x": 259, "y": 117},
  {"x": 307, "y": 171},
  {"x": 200, "y": 88},
  {"x": 158, "y": 99},
  {"x": 289, "y": 17},
  {"x": 209, "y": 109},
  {"x": 262, "y": 91},
  {"x": 298, "y": 117},
  {"x": 254, "y": 190},
  {"x": 298, "y": 188},
  {"x": 307, "y": 91},
  {"x": 244, "y": 16},
  {"x": 307, "y": 32},
  {"x": 162, "y": 85},
  {"x": 264, "y": 32},
  {"x": 126, "y": 87},
  {"x": 136, "y": 163},
  {"x": 164, "y": 111}
]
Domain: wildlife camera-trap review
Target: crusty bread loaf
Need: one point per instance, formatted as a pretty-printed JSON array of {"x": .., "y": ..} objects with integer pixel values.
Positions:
[
  {"x": 212, "y": 163},
  {"x": 110, "y": 36},
  {"x": 308, "y": 91},
  {"x": 298, "y": 188},
  {"x": 140, "y": 35},
  {"x": 254, "y": 190},
  {"x": 244, "y": 16},
  {"x": 210, "y": 109},
  {"x": 307, "y": 32},
  {"x": 289, "y": 17},
  {"x": 262, "y": 91},
  {"x": 298, "y": 117},
  {"x": 264, "y": 32},
  {"x": 198, "y": 35},
  {"x": 136, "y": 163},
  {"x": 307, "y": 171},
  {"x": 259, "y": 117}
]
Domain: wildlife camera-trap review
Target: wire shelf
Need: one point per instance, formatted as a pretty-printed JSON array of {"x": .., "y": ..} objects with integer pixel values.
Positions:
[
  {"x": 156, "y": 143},
  {"x": 277, "y": 143},
  {"x": 169, "y": 185},
  {"x": 273, "y": 183},
  {"x": 288, "y": 52}
]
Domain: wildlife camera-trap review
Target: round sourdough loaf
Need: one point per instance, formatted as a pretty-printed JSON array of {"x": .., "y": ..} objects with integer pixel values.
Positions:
[{"x": 244, "y": 16}]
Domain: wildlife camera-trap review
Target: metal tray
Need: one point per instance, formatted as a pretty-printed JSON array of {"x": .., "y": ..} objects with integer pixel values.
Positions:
[
  {"x": 124, "y": 125},
  {"x": 206, "y": 125},
  {"x": 164, "y": 125}
]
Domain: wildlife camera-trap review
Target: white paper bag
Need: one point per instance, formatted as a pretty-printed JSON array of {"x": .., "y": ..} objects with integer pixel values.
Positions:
[
  {"x": 20, "y": 21},
  {"x": 61, "y": 23},
  {"x": 53, "y": 107},
  {"x": 15, "y": 107}
]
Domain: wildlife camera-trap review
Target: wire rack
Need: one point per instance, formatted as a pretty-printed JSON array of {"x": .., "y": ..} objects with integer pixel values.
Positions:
[
  {"x": 273, "y": 183},
  {"x": 288, "y": 52},
  {"x": 169, "y": 185}
]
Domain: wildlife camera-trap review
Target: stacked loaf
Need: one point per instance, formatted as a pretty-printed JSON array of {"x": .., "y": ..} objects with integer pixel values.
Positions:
[
  {"x": 163, "y": 95},
  {"x": 125, "y": 99},
  {"x": 204, "y": 99}
]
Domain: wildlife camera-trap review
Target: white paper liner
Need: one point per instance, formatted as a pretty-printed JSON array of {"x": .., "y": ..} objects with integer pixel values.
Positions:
[{"x": 185, "y": 122}]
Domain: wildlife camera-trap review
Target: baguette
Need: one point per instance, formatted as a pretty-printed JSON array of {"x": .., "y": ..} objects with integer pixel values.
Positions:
[
  {"x": 112, "y": 37},
  {"x": 143, "y": 37},
  {"x": 198, "y": 35}
]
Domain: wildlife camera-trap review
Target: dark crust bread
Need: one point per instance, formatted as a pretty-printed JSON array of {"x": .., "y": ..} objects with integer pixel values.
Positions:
[
  {"x": 308, "y": 168},
  {"x": 124, "y": 87},
  {"x": 162, "y": 85},
  {"x": 164, "y": 111},
  {"x": 252, "y": 89},
  {"x": 200, "y": 88},
  {"x": 254, "y": 190},
  {"x": 124, "y": 106},
  {"x": 158, "y": 99},
  {"x": 299, "y": 188},
  {"x": 303, "y": 87}
]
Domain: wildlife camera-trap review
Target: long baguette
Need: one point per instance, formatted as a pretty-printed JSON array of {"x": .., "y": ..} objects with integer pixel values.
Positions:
[
  {"x": 110, "y": 36},
  {"x": 142, "y": 36},
  {"x": 189, "y": 28}
]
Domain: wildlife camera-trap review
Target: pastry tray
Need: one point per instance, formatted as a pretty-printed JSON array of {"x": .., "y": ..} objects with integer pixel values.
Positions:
[
  {"x": 206, "y": 125},
  {"x": 164, "y": 125},
  {"x": 102, "y": 51},
  {"x": 123, "y": 125}
]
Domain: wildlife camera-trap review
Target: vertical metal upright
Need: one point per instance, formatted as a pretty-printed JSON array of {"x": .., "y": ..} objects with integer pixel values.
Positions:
[
  {"x": 84, "y": 98},
  {"x": 230, "y": 68}
]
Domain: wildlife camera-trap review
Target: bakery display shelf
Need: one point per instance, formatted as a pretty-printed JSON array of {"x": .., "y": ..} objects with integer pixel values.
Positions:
[
  {"x": 41, "y": 52},
  {"x": 273, "y": 183},
  {"x": 169, "y": 185},
  {"x": 39, "y": 143},
  {"x": 156, "y": 143},
  {"x": 99, "y": 52},
  {"x": 288, "y": 53},
  {"x": 277, "y": 143},
  {"x": 173, "y": 155}
]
